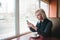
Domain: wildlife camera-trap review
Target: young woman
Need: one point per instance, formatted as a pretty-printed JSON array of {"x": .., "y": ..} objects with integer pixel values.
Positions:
[{"x": 44, "y": 26}]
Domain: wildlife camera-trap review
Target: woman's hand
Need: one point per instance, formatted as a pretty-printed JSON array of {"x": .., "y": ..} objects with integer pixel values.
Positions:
[{"x": 31, "y": 25}]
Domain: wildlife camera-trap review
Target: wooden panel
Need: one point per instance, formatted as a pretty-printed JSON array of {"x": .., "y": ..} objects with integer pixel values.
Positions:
[
  {"x": 59, "y": 8},
  {"x": 53, "y": 8}
]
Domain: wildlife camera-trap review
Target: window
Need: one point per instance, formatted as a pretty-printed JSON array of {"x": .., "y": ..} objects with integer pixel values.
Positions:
[
  {"x": 44, "y": 6},
  {"x": 7, "y": 18},
  {"x": 27, "y": 9}
]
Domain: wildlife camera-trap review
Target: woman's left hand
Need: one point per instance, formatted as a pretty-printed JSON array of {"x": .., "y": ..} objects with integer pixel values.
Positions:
[{"x": 31, "y": 25}]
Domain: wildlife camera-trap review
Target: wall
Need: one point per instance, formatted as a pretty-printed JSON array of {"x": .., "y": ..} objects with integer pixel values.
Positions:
[
  {"x": 58, "y": 8},
  {"x": 53, "y": 8}
]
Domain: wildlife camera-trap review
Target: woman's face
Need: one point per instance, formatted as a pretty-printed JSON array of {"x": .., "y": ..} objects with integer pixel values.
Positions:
[{"x": 39, "y": 15}]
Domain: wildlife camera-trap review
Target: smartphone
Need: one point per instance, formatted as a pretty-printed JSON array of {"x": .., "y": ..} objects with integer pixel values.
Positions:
[{"x": 26, "y": 20}]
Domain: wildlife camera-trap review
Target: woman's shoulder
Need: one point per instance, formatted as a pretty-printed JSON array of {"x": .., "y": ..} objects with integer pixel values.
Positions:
[{"x": 48, "y": 21}]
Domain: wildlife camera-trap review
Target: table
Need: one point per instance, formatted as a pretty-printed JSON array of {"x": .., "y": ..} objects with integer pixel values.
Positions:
[{"x": 38, "y": 38}]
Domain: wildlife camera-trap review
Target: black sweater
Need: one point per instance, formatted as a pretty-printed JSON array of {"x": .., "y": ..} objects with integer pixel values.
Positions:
[{"x": 44, "y": 28}]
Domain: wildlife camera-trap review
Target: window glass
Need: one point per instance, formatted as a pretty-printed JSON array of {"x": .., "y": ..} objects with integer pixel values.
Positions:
[
  {"x": 7, "y": 18},
  {"x": 27, "y": 12}
]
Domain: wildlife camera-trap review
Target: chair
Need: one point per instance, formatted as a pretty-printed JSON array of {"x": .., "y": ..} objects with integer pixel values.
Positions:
[{"x": 55, "y": 35}]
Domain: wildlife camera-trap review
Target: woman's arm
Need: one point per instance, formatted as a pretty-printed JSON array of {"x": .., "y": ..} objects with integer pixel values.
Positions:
[{"x": 47, "y": 29}]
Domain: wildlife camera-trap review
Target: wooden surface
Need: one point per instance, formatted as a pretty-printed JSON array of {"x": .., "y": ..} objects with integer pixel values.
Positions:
[{"x": 53, "y": 9}]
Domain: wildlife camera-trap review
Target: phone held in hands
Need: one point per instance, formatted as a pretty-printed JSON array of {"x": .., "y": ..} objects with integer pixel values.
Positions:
[{"x": 26, "y": 20}]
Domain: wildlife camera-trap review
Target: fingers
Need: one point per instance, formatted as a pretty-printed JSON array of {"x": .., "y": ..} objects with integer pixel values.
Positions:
[{"x": 29, "y": 24}]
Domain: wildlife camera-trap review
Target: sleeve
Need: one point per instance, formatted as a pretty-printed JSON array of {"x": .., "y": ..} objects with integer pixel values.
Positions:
[
  {"x": 48, "y": 27},
  {"x": 33, "y": 30},
  {"x": 47, "y": 30}
]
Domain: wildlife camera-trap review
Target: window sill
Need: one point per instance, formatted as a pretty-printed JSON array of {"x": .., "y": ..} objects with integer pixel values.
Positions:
[{"x": 13, "y": 37}]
